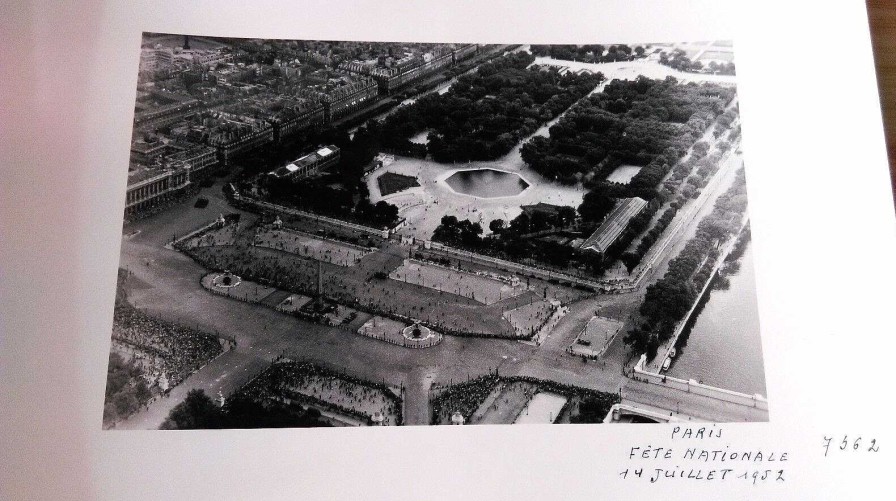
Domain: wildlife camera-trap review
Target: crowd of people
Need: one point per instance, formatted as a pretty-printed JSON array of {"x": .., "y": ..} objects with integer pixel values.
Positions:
[
  {"x": 463, "y": 397},
  {"x": 301, "y": 244},
  {"x": 312, "y": 384},
  {"x": 589, "y": 406},
  {"x": 510, "y": 398},
  {"x": 253, "y": 255},
  {"x": 352, "y": 287},
  {"x": 165, "y": 350},
  {"x": 126, "y": 389},
  {"x": 214, "y": 236}
]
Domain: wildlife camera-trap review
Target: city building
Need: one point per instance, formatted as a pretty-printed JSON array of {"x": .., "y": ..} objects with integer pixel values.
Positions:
[
  {"x": 343, "y": 96},
  {"x": 149, "y": 187},
  {"x": 146, "y": 150},
  {"x": 614, "y": 224},
  {"x": 156, "y": 108},
  {"x": 308, "y": 165},
  {"x": 195, "y": 158},
  {"x": 296, "y": 115},
  {"x": 464, "y": 51},
  {"x": 315, "y": 57},
  {"x": 231, "y": 134},
  {"x": 232, "y": 73},
  {"x": 392, "y": 74},
  {"x": 204, "y": 58},
  {"x": 156, "y": 58},
  {"x": 399, "y": 73}
]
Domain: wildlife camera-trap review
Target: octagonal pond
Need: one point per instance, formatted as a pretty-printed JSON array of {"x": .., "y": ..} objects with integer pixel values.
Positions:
[{"x": 487, "y": 183}]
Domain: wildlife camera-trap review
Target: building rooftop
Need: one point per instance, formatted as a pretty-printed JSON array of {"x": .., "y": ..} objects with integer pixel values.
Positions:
[
  {"x": 139, "y": 173},
  {"x": 141, "y": 146},
  {"x": 310, "y": 159},
  {"x": 286, "y": 170},
  {"x": 607, "y": 233}
]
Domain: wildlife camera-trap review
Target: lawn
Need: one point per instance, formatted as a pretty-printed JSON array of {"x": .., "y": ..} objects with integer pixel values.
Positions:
[
  {"x": 623, "y": 174},
  {"x": 306, "y": 245},
  {"x": 477, "y": 287},
  {"x": 391, "y": 182}
]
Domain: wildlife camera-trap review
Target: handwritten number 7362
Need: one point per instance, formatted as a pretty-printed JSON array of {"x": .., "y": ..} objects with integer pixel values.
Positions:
[{"x": 855, "y": 445}]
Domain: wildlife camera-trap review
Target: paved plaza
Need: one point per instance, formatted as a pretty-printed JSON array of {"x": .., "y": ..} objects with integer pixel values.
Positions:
[{"x": 424, "y": 206}]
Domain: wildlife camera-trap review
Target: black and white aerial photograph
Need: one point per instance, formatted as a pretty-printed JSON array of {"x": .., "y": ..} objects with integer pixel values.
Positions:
[{"x": 343, "y": 233}]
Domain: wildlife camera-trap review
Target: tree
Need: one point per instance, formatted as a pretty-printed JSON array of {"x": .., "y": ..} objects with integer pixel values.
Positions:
[
  {"x": 110, "y": 414},
  {"x": 701, "y": 148},
  {"x": 637, "y": 338},
  {"x": 540, "y": 221},
  {"x": 244, "y": 412},
  {"x": 566, "y": 216},
  {"x": 196, "y": 412},
  {"x": 126, "y": 389},
  {"x": 520, "y": 224},
  {"x": 667, "y": 299},
  {"x": 595, "y": 206},
  {"x": 594, "y": 408},
  {"x": 470, "y": 233},
  {"x": 385, "y": 213},
  {"x": 126, "y": 401},
  {"x": 496, "y": 226}
]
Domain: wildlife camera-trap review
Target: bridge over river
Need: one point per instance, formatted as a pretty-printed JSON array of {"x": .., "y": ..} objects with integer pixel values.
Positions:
[{"x": 656, "y": 399}]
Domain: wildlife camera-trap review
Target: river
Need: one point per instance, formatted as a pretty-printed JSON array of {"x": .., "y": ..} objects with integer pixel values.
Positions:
[{"x": 723, "y": 348}]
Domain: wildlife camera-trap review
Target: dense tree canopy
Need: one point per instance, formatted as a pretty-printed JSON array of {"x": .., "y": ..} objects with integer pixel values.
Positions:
[
  {"x": 323, "y": 196},
  {"x": 488, "y": 112},
  {"x": 588, "y": 53},
  {"x": 526, "y": 239},
  {"x": 668, "y": 300},
  {"x": 643, "y": 122},
  {"x": 198, "y": 411},
  {"x": 596, "y": 204},
  {"x": 458, "y": 233},
  {"x": 126, "y": 390},
  {"x": 594, "y": 408},
  {"x": 679, "y": 60}
]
